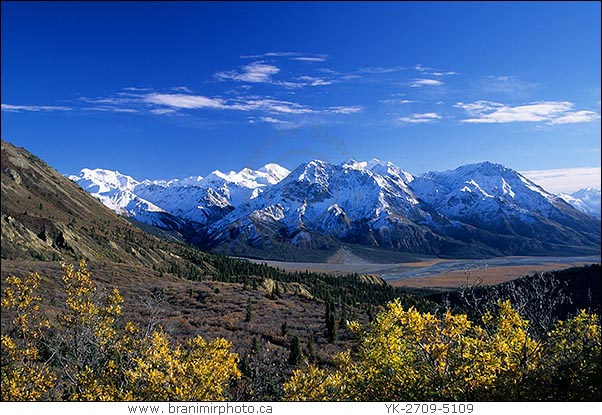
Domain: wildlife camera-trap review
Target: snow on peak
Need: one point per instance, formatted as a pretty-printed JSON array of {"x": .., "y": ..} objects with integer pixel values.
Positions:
[
  {"x": 269, "y": 174},
  {"x": 316, "y": 171},
  {"x": 587, "y": 200},
  {"x": 187, "y": 181},
  {"x": 379, "y": 167},
  {"x": 274, "y": 173},
  {"x": 102, "y": 181},
  {"x": 354, "y": 164}
]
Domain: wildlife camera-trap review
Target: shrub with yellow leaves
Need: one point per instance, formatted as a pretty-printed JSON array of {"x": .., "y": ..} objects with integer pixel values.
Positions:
[
  {"x": 405, "y": 355},
  {"x": 25, "y": 376},
  {"x": 93, "y": 357}
]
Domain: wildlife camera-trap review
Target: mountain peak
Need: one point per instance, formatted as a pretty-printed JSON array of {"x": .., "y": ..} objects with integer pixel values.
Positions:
[
  {"x": 587, "y": 200},
  {"x": 102, "y": 180},
  {"x": 486, "y": 168},
  {"x": 274, "y": 172}
]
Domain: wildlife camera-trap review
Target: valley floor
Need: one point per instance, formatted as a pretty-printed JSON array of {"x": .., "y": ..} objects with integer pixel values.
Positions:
[{"x": 437, "y": 272}]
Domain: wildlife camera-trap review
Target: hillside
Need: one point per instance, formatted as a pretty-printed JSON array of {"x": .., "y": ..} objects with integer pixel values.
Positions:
[{"x": 47, "y": 217}]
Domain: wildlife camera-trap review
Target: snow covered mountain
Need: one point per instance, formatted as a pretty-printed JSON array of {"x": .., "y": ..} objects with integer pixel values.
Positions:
[
  {"x": 366, "y": 203},
  {"x": 499, "y": 206},
  {"x": 482, "y": 209},
  {"x": 193, "y": 199},
  {"x": 586, "y": 200}
]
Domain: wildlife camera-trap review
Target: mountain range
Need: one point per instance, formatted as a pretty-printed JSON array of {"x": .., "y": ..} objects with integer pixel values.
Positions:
[
  {"x": 477, "y": 210},
  {"x": 587, "y": 200}
]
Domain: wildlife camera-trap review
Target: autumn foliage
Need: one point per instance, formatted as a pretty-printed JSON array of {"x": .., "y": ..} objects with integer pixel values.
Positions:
[
  {"x": 405, "y": 355},
  {"x": 89, "y": 353},
  {"x": 92, "y": 355}
]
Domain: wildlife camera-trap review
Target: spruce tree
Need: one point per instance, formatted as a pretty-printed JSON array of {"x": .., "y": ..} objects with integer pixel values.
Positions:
[
  {"x": 249, "y": 314},
  {"x": 331, "y": 322},
  {"x": 294, "y": 356}
]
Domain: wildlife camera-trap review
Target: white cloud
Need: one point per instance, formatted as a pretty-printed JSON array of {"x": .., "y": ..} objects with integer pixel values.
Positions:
[
  {"x": 176, "y": 99},
  {"x": 434, "y": 72},
  {"x": 34, "y": 108},
  {"x": 478, "y": 107},
  {"x": 287, "y": 107},
  {"x": 424, "y": 118},
  {"x": 112, "y": 109},
  {"x": 314, "y": 81},
  {"x": 270, "y": 55},
  {"x": 271, "y": 120},
  {"x": 163, "y": 111},
  {"x": 445, "y": 73},
  {"x": 565, "y": 180},
  {"x": 309, "y": 59},
  {"x": 381, "y": 69},
  {"x": 136, "y": 89},
  {"x": 576, "y": 117},
  {"x": 396, "y": 101},
  {"x": 417, "y": 83},
  {"x": 551, "y": 112},
  {"x": 345, "y": 110},
  {"x": 270, "y": 105},
  {"x": 184, "y": 101},
  {"x": 280, "y": 124},
  {"x": 256, "y": 72},
  {"x": 298, "y": 56},
  {"x": 422, "y": 68}
]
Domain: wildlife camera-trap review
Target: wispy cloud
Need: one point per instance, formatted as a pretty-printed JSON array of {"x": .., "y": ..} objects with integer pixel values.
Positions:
[
  {"x": 34, "y": 108},
  {"x": 448, "y": 73},
  {"x": 163, "y": 111},
  {"x": 565, "y": 180},
  {"x": 296, "y": 56},
  {"x": 417, "y": 83},
  {"x": 281, "y": 124},
  {"x": 271, "y": 120},
  {"x": 256, "y": 72},
  {"x": 344, "y": 110},
  {"x": 576, "y": 117},
  {"x": 184, "y": 101},
  {"x": 278, "y": 123},
  {"x": 433, "y": 71},
  {"x": 396, "y": 101},
  {"x": 268, "y": 105},
  {"x": 309, "y": 59},
  {"x": 315, "y": 81},
  {"x": 381, "y": 69},
  {"x": 423, "y": 69},
  {"x": 135, "y": 89},
  {"x": 551, "y": 112},
  {"x": 423, "y": 118},
  {"x": 111, "y": 109},
  {"x": 182, "y": 89},
  {"x": 270, "y": 55}
]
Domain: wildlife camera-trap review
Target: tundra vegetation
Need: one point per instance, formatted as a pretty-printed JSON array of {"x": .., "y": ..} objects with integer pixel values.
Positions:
[{"x": 88, "y": 352}]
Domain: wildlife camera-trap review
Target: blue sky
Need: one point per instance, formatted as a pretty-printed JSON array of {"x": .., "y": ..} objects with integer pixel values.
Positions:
[{"x": 173, "y": 89}]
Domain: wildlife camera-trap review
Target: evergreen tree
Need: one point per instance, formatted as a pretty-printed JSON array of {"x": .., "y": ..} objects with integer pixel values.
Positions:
[
  {"x": 249, "y": 314},
  {"x": 331, "y": 322},
  {"x": 284, "y": 329},
  {"x": 294, "y": 356}
]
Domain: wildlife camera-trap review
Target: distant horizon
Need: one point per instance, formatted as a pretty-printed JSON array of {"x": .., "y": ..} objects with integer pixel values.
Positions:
[{"x": 163, "y": 90}]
